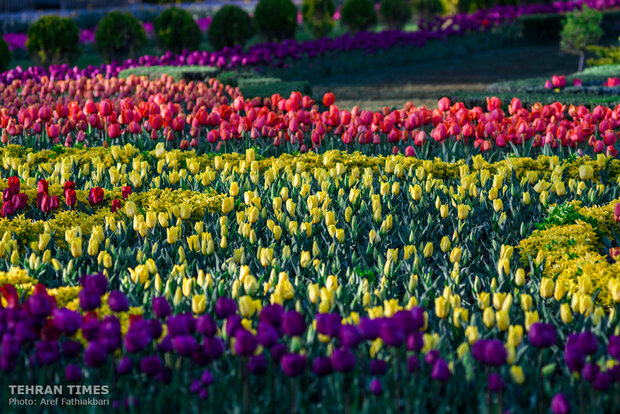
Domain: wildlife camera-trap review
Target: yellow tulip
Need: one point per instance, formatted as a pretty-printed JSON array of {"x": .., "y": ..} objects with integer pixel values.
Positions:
[
  {"x": 463, "y": 211},
  {"x": 442, "y": 307},
  {"x": 546, "y": 287},
  {"x": 471, "y": 332},
  {"x": 76, "y": 248},
  {"x": 503, "y": 320},
  {"x": 428, "y": 250},
  {"x": 445, "y": 244},
  {"x": 516, "y": 372},
  {"x": 488, "y": 318},
  {"x": 199, "y": 304},
  {"x": 455, "y": 255},
  {"x": 246, "y": 306},
  {"x": 520, "y": 277},
  {"x": 228, "y": 204},
  {"x": 565, "y": 313},
  {"x": 515, "y": 335}
]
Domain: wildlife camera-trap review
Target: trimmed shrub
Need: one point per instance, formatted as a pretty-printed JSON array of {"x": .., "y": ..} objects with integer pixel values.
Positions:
[
  {"x": 358, "y": 15},
  {"x": 53, "y": 40},
  {"x": 176, "y": 30},
  {"x": 276, "y": 20},
  {"x": 580, "y": 30},
  {"x": 395, "y": 13},
  {"x": 318, "y": 16},
  {"x": 119, "y": 36},
  {"x": 5, "y": 55},
  {"x": 231, "y": 26}
]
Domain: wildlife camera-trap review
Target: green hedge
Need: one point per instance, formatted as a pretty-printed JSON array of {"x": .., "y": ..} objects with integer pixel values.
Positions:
[{"x": 480, "y": 99}]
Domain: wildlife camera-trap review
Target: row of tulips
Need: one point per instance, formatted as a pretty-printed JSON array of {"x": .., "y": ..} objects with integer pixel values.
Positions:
[
  {"x": 365, "y": 281},
  {"x": 280, "y": 55},
  {"x": 212, "y": 117}
]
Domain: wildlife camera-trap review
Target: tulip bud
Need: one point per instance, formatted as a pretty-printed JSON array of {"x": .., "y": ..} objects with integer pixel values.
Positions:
[{"x": 546, "y": 287}]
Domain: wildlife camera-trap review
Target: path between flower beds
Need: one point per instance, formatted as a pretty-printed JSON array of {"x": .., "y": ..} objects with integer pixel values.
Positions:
[{"x": 425, "y": 82}]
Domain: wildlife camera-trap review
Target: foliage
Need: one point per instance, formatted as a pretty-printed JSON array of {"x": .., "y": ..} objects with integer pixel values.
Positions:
[
  {"x": 231, "y": 26},
  {"x": 53, "y": 40},
  {"x": 119, "y": 36},
  {"x": 358, "y": 15},
  {"x": 605, "y": 55},
  {"x": 395, "y": 13},
  {"x": 580, "y": 30},
  {"x": 5, "y": 55},
  {"x": 276, "y": 20},
  {"x": 176, "y": 30},
  {"x": 318, "y": 16}
]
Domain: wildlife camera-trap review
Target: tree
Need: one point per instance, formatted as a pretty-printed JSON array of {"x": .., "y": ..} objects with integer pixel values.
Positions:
[{"x": 580, "y": 30}]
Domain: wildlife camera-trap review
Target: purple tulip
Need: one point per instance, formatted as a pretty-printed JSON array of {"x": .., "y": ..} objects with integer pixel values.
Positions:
[
  {"x": 542, "y": 335},
  {"x": 266, "y": 334},
  {"x": 257, "y": 364},
  {"x": 71, "y": 348},
  {"x": 155, "y": 328},
  {"x": 24, "y": 332},
  {"x": 89, "y": 299},
  {"x": 375, "y": 387},
  {"x": 161, "y": 307},
  {"x": 38, "y": 307},
  {"x": 272, "y": 314},
  {"x": 46, "y": 352},
  {"x": 183, "y": 324},
  {"x": 293, "y": 323},
  {"x": 124, "y": 366},
  {"x": 343, "y": 360},
  {"x": 559, "y": 404},
  {"x": 328, "y": 324},
  {"x": 590, "y": 371},
  {"x": 413, "y": 364},
  {"x": 233, "y": 324},
  {"x": 205, "y": 325},
  {"x": 225, "y": 307},
  {"x": 495, "y": 353},
  {"x": 415, "y": 341},
  {"x": 293, "y": 365},
  {"x": 349, "y": 336},
  {"x": 602, "y": 381},
  {"x": 574, "y": 358},
  {"x": 213, "y": 347},
  {"x": 117, "y": 301},
  {"x": 138, "y": 336},
  {"x": 67, "y": 321},
  {"x": 94, "y": 355},
  {"x": 614, "y": 346},
  {"x": 496, "y": 383},
  {"x": 440, "y": 371},
  {"x": 165, "y": 345},
  {"x": 322, "y": 366},
  {"x": 151, "y": 365},
  {"x": 370, "y": 328},
  {"x": 245, "y": 342},
  {"x": 378, "y": 367},
  {"x": 588, "y": 343},
  {"x": 73, "y": 373},
  {"x": 391, "y": 333},
  {"x": 277, "y": 351},
  {"x": 431, "y": 357},
  {"x": 185, "y": 345},
  {"x": 96, "y": 283}
]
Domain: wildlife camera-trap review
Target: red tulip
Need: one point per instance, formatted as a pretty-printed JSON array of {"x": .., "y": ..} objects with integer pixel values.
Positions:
[
  {"x": 95, "y": 196},
  {"x": 7, "y": 209},
  {"x": 70, "y": 197},
  {"x": 116, "y": 204},
  {"x": 329, "y": 99},
  {"x": 126, "y": 192}
]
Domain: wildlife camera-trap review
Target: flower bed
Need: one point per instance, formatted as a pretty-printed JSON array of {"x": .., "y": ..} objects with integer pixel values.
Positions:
[
  {"x": 282, "y": 55},
  {"x": 236, "y": 281},
  {"x": 209, "y": 116}
]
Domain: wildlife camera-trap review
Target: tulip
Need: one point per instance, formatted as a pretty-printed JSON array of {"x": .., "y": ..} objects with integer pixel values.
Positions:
[
  {"x": 559, "y": 404},
  {"x": 293, "y": 365},
  {"x": 542, "y": 335}
]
